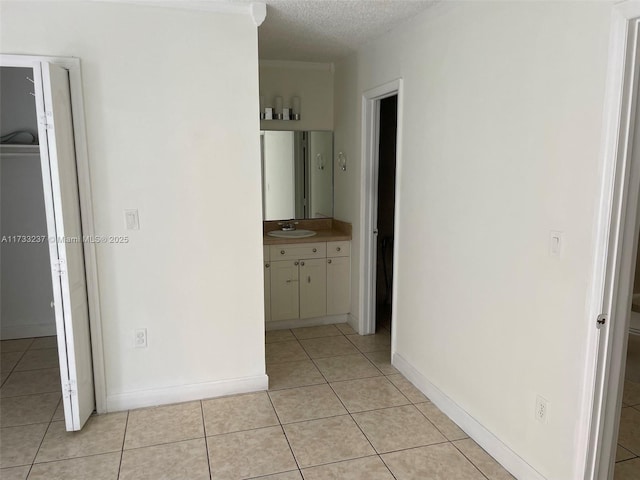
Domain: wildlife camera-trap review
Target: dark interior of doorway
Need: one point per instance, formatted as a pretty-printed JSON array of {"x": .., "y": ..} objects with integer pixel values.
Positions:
[{"x": 386, "y": 209}]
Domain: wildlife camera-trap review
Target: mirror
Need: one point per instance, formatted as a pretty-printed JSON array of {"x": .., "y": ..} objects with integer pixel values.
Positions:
[{"x": 297, "y": 174}]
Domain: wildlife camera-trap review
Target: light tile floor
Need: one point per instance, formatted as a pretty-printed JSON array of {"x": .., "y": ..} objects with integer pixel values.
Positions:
[
  {"x": 628, "y": 453},
  {"x": 336, "y": 409}
]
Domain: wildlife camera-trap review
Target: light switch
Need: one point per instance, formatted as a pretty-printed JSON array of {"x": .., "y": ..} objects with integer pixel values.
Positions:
[
  {"x": 131, "y": 218},
  {"x": 555, "y": 243}
]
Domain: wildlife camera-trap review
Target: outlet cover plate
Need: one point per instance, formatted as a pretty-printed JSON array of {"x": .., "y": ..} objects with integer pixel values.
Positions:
[{"x": 140, "y": 338}]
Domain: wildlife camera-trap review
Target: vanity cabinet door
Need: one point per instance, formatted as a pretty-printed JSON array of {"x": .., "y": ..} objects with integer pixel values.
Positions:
[
  {"x": 267, "y": 291},
  {"x": 338, "y": 285},
  {"x": 313, "y": 288},
  {"x": 284, "y": 290}
]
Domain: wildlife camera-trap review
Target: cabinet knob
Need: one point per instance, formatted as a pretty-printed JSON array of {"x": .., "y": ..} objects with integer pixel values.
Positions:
[
  {"x": 337, "y": 249},
  {"x": 329, "y": 261},
  {"x": 267, "y": 265},
  {"x": 315, "y": 250},
  {"x": 281, "y": 252},
  {"x": 295, "y": 263},
  {"x": 302, "y": 264}
]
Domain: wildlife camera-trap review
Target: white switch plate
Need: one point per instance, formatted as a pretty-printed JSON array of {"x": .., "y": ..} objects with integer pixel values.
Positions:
[
  {"x": 555, "y": 243},
  {"x": 131, "y": 219},
  {"x": 140, "y": 338}
]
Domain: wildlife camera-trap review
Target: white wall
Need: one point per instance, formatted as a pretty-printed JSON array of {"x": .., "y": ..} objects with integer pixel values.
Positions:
[
  {"x": 171, "y": 98},
  {"x": 321, "y": 179},
  {"x": 501, "y": 133},
  {"x": 25, "y": 272},
  {"x": 312, "y": 82}
]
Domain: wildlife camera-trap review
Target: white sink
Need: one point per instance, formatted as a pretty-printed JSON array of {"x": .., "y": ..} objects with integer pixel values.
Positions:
[{"x": 291, "y": 233}]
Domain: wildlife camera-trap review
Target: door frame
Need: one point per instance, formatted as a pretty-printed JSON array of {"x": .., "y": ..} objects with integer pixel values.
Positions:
[
  {"x": 369, "y": 203},
  {"x": 614, "y": 253},
  {"x": 86, "y": 207}
]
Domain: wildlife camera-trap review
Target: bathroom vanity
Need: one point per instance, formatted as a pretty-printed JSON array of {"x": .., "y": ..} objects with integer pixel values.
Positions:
[{"x": 308, "y": 281}]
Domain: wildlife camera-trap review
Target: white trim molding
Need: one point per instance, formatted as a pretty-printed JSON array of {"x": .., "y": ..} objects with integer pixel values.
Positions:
[
  {"x": 256, "y": 10},
  {"x": 291, "y": 64},
  {"x": 185, "y": 393},
  {"x": 368, "y": 202},
  {"x": 510, "y": 460}
]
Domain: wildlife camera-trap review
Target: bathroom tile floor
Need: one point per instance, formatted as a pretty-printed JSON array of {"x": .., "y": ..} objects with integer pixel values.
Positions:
[{"x": 336, "y": 409}]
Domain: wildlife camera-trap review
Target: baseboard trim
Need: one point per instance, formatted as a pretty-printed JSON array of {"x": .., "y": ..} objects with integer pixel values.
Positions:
[
  {"x": 510, "y": 460},
  {"x": 353, "y": 321},
  {"x": 185, "y": 393},
  {"x": 11, "y": 332},
  {"x": 305, "y": 322}
]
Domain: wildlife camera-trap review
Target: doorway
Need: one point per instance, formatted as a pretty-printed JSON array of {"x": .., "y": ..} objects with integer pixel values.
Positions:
[
  {"x": 64, "y": 236},
  {"x": 387, "y": 137},
  {"x": 382, "y": 134},
  {"x": 26, "y": 307}
]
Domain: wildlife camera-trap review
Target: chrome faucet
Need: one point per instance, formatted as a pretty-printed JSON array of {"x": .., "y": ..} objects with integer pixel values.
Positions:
[{"x": 288, "y": 225}]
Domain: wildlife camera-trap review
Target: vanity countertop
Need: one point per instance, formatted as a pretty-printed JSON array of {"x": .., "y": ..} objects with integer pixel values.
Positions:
[{"x": 328, "y": 230}]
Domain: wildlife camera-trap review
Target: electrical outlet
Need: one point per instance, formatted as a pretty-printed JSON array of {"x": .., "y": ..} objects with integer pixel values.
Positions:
[
  {"x": 140, "y": 338},
  {"x": 542, "y": 407}
]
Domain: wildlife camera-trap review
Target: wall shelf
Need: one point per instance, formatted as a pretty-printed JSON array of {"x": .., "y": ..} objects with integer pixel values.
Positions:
[{"x": 279, "y": 119}]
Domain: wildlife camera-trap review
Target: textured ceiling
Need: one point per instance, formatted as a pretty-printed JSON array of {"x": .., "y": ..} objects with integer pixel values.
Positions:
[{"x": 326, "y": 30}]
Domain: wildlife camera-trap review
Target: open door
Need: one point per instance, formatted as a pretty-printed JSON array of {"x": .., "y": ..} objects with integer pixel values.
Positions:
[{"x": 62, "y": 203}]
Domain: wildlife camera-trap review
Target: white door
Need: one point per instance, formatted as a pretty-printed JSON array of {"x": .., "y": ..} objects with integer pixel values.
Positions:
[
  {"x": 62, "y": 203},
  {"x": 313, "y": 288},
  {"x": 338, "y": 285},
  {"x": 284, "y": 290}
]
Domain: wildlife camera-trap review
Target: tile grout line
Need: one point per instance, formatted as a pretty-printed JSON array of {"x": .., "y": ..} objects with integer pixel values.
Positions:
[
  {"x": 348, "y": 379},
  {"x": 388, "y": 468},
  {"x": 357, "y": 425},
  {"x": 295, "y": 459},
  {"x": 48, "y": 426},
  {"x": 40, "y": 446},
  {"x": 329, "y": 356},
  {"x": 445, "y": 441},
  {"x": 206, "y": 443},
  {"x": 632, "y": 453},
  {"x": 38, "y": 368},
  {"x": 13, "y": 369},
  {"x": 57, "y": 407},
  {"x": 66, "y": 459},
  {"x": 161, "y": 444},
  {"x": 436, "y": 427},
  {"x": 124, "y": 438},
  {"x": 348, "y": 460},
  {"x": 468, "y": 459},
  {"x": 34, "y": 423}
]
